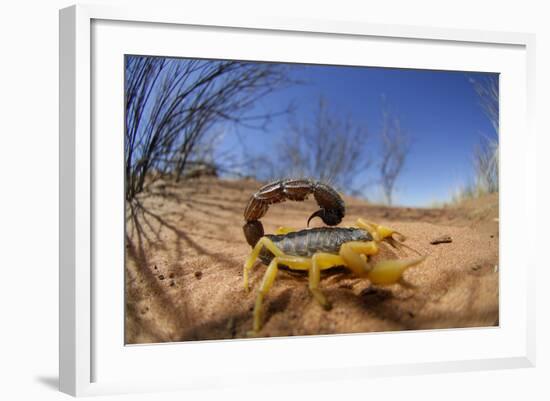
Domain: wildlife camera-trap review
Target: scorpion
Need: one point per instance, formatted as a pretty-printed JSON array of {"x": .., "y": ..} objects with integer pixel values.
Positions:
[{"x": 313, "y": 250}]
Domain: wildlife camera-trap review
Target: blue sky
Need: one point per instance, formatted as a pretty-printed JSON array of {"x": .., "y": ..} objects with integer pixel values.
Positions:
[{"x": 439, "y": 110}]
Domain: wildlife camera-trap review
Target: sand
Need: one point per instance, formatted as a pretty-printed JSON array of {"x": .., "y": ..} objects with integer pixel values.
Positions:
[{"x": 185, "y": 250}]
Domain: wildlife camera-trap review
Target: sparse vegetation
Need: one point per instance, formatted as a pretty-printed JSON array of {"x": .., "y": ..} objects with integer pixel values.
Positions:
[
  {"x": 173, "y": 107},
  {"x": 486, "y": 153},
  {"x": 330, "y": 148},
  {"x": 336, "y": 149},
  {"x": 394, "y": 151}
]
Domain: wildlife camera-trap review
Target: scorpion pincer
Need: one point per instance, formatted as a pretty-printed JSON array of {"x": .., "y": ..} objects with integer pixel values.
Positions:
[{"x": 316, "y": 249}]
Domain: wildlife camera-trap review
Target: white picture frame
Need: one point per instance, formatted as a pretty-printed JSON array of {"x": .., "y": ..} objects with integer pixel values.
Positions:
[{"x": 92, "y": 362}]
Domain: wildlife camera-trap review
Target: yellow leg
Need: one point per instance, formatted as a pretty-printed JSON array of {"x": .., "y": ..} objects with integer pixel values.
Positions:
[
  {"x": 292, "y": 262},
  {"x": 263, "y": 242},
  {"x": 284, "y": 230},
  {"x": 321, "y": 261}
]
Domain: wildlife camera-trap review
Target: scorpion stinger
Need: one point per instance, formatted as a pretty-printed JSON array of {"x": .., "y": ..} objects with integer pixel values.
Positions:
[
  {"x": 330, "y": 217},
  {"x": 332, "y": 207}
]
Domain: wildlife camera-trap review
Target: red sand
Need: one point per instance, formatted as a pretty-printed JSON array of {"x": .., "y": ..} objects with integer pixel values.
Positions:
[{"x": 185, "y": 252}]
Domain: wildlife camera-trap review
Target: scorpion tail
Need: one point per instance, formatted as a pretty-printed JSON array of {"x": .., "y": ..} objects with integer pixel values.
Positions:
[{"x": 253, "y": 231}]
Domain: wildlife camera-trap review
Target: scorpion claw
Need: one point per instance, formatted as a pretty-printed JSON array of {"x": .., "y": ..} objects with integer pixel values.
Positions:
[{"x": 398, "y": 244}]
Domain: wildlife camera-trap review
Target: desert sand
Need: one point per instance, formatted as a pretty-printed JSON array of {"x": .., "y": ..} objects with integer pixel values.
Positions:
[{"x": 185, "y": 251}]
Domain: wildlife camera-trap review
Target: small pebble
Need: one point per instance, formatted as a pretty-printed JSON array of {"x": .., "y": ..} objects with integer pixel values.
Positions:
[
  {"x": 171, "y": 275},
  {"x": 172, "y": 284},
  {"x": 198, "y": 275},
  {"x": 161, "y": 277}
]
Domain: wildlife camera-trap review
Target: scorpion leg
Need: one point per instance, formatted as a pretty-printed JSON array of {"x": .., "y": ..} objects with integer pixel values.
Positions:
[
  {"x": 321, "y": 261},
  {"x": 263, "y": 242},
  {"x": 293, "y": 262},
  {"x": 383, "y": 272},
  {"x": 284, "y": 230}
]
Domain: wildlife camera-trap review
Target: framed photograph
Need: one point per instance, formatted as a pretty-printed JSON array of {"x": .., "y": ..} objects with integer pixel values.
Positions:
[{"x": 290, "y": 199}]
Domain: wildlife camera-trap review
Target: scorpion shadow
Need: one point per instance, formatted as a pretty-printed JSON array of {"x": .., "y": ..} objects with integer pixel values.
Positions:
[
  {"x": 236, "y": 324},
  {"x": 135, "y": 241},
  {"x": 145, "y": 232},
  {"x": 180, "y": 234}
]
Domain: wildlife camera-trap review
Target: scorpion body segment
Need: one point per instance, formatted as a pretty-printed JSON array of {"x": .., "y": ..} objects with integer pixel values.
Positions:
[
  {"x": 305, "y": 243},
  {"x": 331, "y": 205}
]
